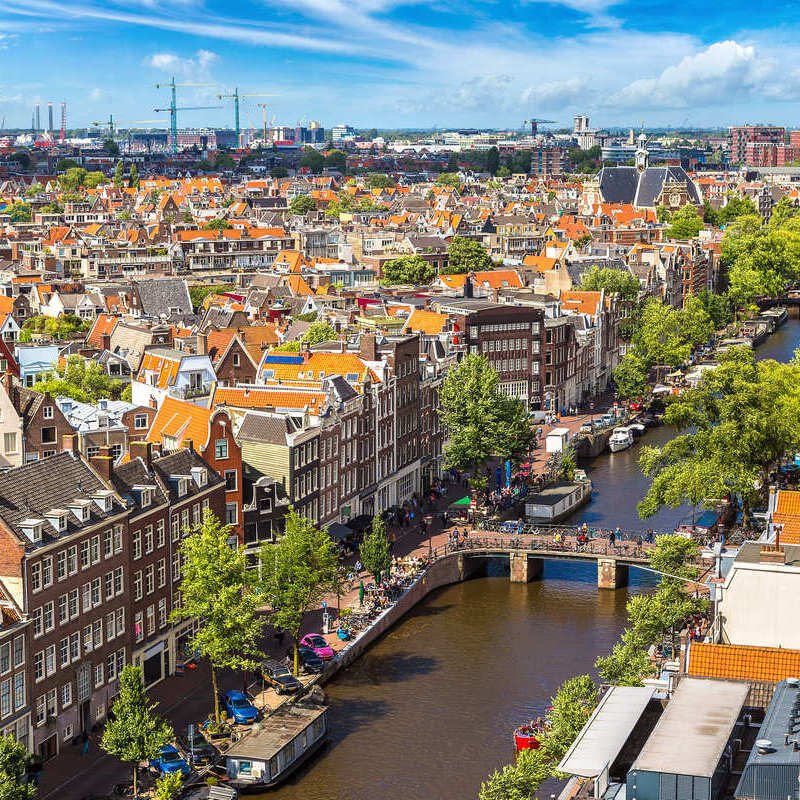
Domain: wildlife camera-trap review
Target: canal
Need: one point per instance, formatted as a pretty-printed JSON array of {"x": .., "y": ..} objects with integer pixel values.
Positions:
[{"x": 429, "y": 710}]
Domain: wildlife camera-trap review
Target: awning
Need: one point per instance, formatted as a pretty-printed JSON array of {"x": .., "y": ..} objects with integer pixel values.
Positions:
[
  {"x": 338, "y": 531},
  {"x": 464, "y": 502},
  {"x": 360, "y": 523},
  {"x": 606, "y": 731}
]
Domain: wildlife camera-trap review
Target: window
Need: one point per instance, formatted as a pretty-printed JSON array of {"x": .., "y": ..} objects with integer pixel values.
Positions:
[
  {"x": 120, "y": 621},
  {"x": 91, "y": 452},
  {"x": 231, "y": 513},
  {"x": 5, "y": 658},
  {"x": 151, "y": 620},
  {"x": 19, "y": 691},
  {"x": 66, "y": 700},
  {"x": 118, "y": 538},
  {"x": 38, "y": 628},
  {"x": 47, "y": 571},
  {"x": 99, "y": 670},
  {"x": 38, "y": 666},
  {"x": 119, "y": 584},
  {"x": 108, "y": 543},
  {"x": 48, "y": 435},
  {"x": 148, "y": 539},
  {"x": 140, "y": 422},
  {"x": 47, "y": 412},
  {"x": 72, "y": 560},
  {"x": 111, "y": 626},
  {"x": 160, "y": 533},
  {"x": 87, "y": 639},
  {"x": 19, "y": 651},
  {"x": 10, "y": 443},
  {"x": 85, "y": 554},
  {"x": 41, "y": 711},
  {"x": 95, "y": 551},
  {"x": 50, "y": 660},
  {"x": 63, "y": 652},
  {"x": 61, "y": 565},
  {"x": 149, "y": 579},
  {"x": 97, "y": 592},
  {"x": 230, "y": 480},
  {"x": 111, "y": 666},
  {"x": 137, "y": 585},
  {"x": 72, "y": 601},
  {"x": 36, "y": 576},
  {"x": 49, "y": 616},
  {"x": 176, "y": 566},
  {"x": 162, "y": 573},
  {"x": 236, "y": 360},
  {"x": 220, "y": 449},
  {"x": 108, "y": 583},
  {"x": 162, "y": 612},
  {"x": 137, "y": 544},
  {"x": 138, "y": 626},
  {"x": 196, "y": 514},
  {"x": 97, "y": 633},
  {"x": 175, "y": 528}
]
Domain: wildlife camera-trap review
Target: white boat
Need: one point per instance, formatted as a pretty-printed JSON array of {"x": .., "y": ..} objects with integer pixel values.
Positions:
[{"x": 621, "y": 439}]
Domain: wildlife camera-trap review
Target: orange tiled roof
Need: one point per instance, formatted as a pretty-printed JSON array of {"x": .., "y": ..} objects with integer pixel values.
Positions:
[
  {"x": 6, "y": 304},
  {"x": 787, "y": 513},
  {"x": 582, "y": 302},
  {"x": 539, "y": 263},
  {"x": 181, "y": 421},
  {"x": 103, "y": 325},
  {"x": 453, "y": 281},
  {"x": 498, "y": 278},
  {"x": 743, "y": 662},
  {"x": 268, "y": 397},
  {"x": 166, "y": 367},
  {"x": 430, "y": 322},
  {"x": 320, "y": 364}
]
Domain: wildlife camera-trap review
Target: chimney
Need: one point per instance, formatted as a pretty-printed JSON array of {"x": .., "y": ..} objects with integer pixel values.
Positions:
[
  {"x": 143, "y": 450},
  {"x": 202, "y": 343},
  {"x": 188, "y": 444},
  {"x": 468, "y": 289},
  {"x": 367, "y": 347},
  {"x": 771, "y": 554},
  {"x": 71, "y": 443},
  {"x": 105, "y": 341},
  {"x": 103, "y": 463}
]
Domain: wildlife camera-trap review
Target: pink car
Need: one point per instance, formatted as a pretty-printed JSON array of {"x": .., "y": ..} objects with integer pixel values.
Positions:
[{"x": 315, "y": 642}]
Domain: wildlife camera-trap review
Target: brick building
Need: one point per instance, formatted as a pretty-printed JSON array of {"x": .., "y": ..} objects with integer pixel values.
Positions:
[{"x": 744, "y": 135}]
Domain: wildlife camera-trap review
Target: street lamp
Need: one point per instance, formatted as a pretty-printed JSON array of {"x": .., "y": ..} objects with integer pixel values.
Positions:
[{"x": 429, "y": 523}]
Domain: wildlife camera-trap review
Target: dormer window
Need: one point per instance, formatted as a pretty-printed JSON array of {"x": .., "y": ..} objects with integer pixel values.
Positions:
[
  {"x": 81, "y": 509},
  {"x": 32, "y": 528},
  {"x": 200, "y": 476},
  {"x": 104, "y": 500},
  {"x": 57, "y": 517},
  {"x": 181, "y": 484}
]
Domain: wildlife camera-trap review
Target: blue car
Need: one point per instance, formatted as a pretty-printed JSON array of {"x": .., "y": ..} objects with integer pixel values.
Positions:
[
  {"x": 169, "y": 760},
  {"x": 239, "y": 707}
]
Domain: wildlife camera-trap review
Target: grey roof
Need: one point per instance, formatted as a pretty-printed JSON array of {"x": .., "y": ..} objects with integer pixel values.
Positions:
[
  {"x": 693, "y": 732},
  {"x": 749, "y": 553},
  {"x": 34, "y": 489},
  {"x": 135, "y": 473},
  {"x": 618, "y": 184},
  {"x": 180, "y": 462},
  {"x": 264, "y": 428},
  {"x": 773, "y": 774},
  {"x": 158, "y": 295}
]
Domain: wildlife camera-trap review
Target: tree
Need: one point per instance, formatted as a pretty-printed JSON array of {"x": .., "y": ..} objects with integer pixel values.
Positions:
[
  {"x": 375, "y": 550},
  {"x": 82, "y": 380},
  {"x": 278, "y": 172},
  {"x": 613, "y": 281},
  {"x": 169, "y": 786},
  {"x": 14, "y": 783},
  {"x": 376, "y": 180},
  {"x": 319, "y": 332},
  {"x": 734, "y": 208},
  {"x": 630, "y": 375},
  {"x": 408, "y": 270},
  {"x": 94, "y": 179},
  {"x": 302, "y": 205},
  {"x": 685, "y": 223},
  {"x": 110, "y": 147},
  {"x": 479, "y": 420},
  {"x": 119, "y": 176},
  {"x": 218, "y": 224},
  {"x": 467, "y": 255},
  {"x": 198, "y": 293},
  {"x": 224, "y": 161},
  {"x": 452, "y": 179},
  {"x": 718, "y": 308},
  {"x": 741, "y": 420},
  {"x": 492, "y": 160},
  {"x": 66, "y": 163},
  {"x": 73, "y": 179},
  {"x": 217, "y": 588},
  {"x": 134, "y": 732},
  {"x": 336, "y": 159},
  {"x": 297, "y": 571},
  {"x": 504, "y": 172},
  {"x": 133, "y": 177},
  {"x": 312, "y": 160},
  {"x": 19, "y": 212}
]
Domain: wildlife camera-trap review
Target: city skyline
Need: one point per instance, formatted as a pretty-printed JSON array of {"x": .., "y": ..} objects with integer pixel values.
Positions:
[{"x": 381, "y": 63}]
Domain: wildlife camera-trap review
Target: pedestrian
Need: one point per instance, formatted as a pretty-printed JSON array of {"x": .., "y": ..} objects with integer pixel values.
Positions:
[
  {"x": 361, "y": 594},
  {"x": 359, "y": 567},
  {"x": 85, "y": 740},
  {"x": 611, "y": 538}
]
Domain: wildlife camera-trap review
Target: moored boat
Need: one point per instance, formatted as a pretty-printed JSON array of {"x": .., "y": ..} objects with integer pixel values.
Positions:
[
  {"x": 621, "y": 439},
  {"x": 526, "y": 737}
]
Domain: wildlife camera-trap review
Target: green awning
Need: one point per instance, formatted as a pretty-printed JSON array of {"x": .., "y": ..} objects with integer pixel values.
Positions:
[{"x": 462, "y": 503}]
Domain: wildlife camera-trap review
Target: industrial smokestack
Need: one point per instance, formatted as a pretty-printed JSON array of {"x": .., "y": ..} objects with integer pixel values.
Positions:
[
  {"x": 38, "y": 118},
  {"x": 63, "y": 121},
  {"x": 50, "y": 118}
]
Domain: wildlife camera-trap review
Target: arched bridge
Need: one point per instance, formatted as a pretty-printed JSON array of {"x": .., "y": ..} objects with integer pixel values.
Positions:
[{"x": 527, "y": 551}]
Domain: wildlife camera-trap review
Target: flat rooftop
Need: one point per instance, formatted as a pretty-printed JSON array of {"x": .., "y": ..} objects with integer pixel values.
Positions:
[
  {"x": 275, "y": 732},
  {"x": 691, "y": 735}
]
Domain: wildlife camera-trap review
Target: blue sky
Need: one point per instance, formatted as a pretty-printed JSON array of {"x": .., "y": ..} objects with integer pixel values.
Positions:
[{"x": 404, "y": 63}]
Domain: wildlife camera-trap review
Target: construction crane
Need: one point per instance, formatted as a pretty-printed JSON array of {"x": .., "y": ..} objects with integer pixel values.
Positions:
[
  {"x": 236, "y": 97},
  {"x": 109, "y": 124},
  {"x": 535, "y": 122},
  {"x": 173, "y": 108}
]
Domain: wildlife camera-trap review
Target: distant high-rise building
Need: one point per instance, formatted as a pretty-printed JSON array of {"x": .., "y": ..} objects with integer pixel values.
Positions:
[
  {"x": 342, "y": 133},
  {"x": 744, "y": 135},
  {"x": 581, "y": 124}
]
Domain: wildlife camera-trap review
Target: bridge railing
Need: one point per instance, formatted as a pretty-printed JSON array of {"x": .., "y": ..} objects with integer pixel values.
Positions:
[
  {"x": 518, "y": 527},
  {"x": 538, "y": 543}
]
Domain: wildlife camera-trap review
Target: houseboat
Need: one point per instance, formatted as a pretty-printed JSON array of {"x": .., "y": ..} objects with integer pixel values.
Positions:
[
  {"x": 557, "y": 501},
  {"x": 276, "y": 747},
  {"x": 779, "y": 315},
  {"x": 621, "y": 439}
]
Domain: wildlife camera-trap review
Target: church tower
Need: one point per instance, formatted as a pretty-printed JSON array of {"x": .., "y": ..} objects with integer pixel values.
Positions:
[{"x": 642, "y": 156}]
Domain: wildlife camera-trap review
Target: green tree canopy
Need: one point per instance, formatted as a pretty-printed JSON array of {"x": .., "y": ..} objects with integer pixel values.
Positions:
[
  {"x": 685, "y": 223},
  {"x": 94, "y": 179},
  {"x": 467, "y": 255},
  {"x": 19, "y": 212},
  {"x": 614, "y": 281},
  {"x": 217, "y": 588},
  {"x": 302, "y": 204},
  {"x": 741, "y": 420},
  {"x": 452, "y": 179},
  {"x": 376, "y": 180},
  {"x": 198, "y": 293},
  {"x": 319, "y": 332},
  {"x": 14, "y": 758},
  {"x": 492, "y": 160},
  {"x": 111, "y": 147},
  {"x": 73, "y": 179},
  {"x": 219, "y": 224},
  {"x": 82, "y": 380},
  {"x": 734, "y": 208},
  {"x": 297, "y": 571},
  {"x": 479, "y": 420},
  {"x": 336, "y": 159},
  {"x": 312, "y": 159},
  {"x": 133, "y": 177},
  {"x": 408, "y": 270},
  {"x": 134, "y": 732},
  {"x": 66, "y": 163},
  {"x": 375, "y": 550}
]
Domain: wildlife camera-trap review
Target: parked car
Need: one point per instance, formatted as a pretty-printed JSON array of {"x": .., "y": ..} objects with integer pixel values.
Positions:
[
  {"x": 169, "y": 760},
  {"x": 318, "y": 644},
  {"x": 310, "y": 660},
  {"x": 197, "y": 750},
  {"x": 239, "y": 708},
  {"x": 586, "y": 428},
  {"x": 280, "y": 678}
]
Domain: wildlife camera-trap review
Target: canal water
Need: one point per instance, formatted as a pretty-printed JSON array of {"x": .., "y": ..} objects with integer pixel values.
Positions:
[{"x": 428, "y": 712}]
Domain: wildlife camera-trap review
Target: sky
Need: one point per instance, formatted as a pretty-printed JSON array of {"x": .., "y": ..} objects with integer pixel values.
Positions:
[{"x": 405, "y": 63}]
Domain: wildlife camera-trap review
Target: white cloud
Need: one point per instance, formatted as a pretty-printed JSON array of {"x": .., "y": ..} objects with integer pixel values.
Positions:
[
  {"x": 98, "y": 95},
  {"x": 723, "y": 72},
  {"x": 195, "y": 68}
]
